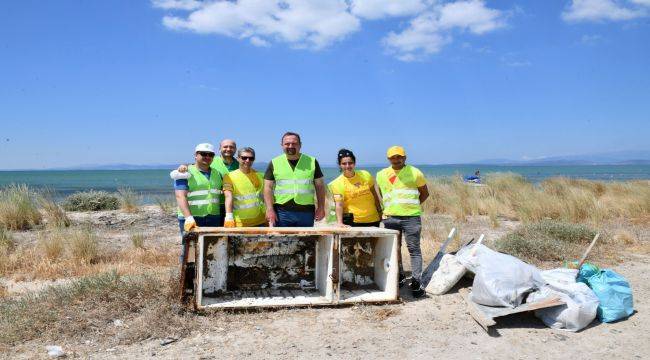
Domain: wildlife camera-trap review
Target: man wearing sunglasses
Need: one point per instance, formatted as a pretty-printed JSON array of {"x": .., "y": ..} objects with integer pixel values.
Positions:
[
  {"x": 290, "y": 182},
  {"x": 198, "y": 191},
  {"x": 223, "y": 164},
  {"x": 243, "y": 191}
]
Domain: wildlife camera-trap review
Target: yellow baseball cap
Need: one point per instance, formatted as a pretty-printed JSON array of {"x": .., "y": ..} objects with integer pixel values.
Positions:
[{"x": 395, "y": 150}]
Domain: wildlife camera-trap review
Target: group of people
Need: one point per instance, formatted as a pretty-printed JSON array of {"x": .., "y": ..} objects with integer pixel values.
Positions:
[{"x": 226, "y": 191}]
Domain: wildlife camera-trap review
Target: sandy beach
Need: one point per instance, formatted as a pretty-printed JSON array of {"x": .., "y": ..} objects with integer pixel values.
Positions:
[{"x": 414, "y": 328}]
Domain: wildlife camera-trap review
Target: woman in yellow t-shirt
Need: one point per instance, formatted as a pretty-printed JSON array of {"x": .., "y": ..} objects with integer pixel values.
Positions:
[{"x": 356, "y": 200}]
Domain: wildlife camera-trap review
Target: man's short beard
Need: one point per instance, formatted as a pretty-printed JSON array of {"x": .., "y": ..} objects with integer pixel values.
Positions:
[{"x": 291, "y": 151}]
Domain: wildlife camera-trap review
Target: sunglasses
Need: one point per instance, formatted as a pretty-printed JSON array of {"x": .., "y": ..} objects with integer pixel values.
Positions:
[
  {"x": 206, "y": 154},
  {"x": 251, "y": 158}
]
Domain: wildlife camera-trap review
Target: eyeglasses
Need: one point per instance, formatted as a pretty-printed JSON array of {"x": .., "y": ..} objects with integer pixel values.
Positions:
[
  {"x": 244, "y": 158},
  {"x": 206, "y": 154}
]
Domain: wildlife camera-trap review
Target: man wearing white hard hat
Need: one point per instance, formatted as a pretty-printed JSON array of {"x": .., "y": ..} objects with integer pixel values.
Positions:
[{"x": 197, "y": 191}]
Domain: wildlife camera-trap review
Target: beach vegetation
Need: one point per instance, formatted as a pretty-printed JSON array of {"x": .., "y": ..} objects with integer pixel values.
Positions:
[
  {"x": 510, "y": 196},
  {"x": 129, "y": 200},
  {"x": 6, "y": 240},
  {"x": 146, "y": 302},
  {"x": 55, "y": 215},
  {"x": 91, "y": 200},
  {"x": 137, "y": 239},
  {"x": 166, "y": 204},
  {"x": 547, "y": 240},
  {"x": 18, "y": 208}
]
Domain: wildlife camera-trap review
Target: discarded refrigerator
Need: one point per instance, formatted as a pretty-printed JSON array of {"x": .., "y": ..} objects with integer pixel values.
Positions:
[{"x": 282, "y": 267}]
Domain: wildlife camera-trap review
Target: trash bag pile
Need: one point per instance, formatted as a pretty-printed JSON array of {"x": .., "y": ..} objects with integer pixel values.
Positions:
[{"x": 505, "y": 281}]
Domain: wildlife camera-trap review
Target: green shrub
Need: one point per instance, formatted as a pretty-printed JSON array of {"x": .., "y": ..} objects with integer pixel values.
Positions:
[
  {"x": 91, "y": 201},
  {"x": 18, "y": 210},
  {"x": 546, "y": 241}
]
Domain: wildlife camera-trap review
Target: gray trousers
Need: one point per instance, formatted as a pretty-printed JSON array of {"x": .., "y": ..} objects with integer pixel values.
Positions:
[{"x": 410, "y": 227}]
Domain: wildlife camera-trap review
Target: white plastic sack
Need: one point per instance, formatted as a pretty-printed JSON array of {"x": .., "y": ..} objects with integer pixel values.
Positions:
[
  {"x": 177, "y": 175},
  {"x": 581, "y": 302},
  {"x": 500, "y": 280},
  {"x": 446, "y": 276}
]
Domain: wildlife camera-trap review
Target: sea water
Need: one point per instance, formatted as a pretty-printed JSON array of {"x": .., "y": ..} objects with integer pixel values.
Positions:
[{"x": 156, "y": 183}]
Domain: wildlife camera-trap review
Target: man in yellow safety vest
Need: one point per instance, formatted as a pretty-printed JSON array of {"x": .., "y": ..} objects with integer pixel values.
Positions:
[
  {"x": 290, "y": 183},
  {"x": 403, "y": 189}
]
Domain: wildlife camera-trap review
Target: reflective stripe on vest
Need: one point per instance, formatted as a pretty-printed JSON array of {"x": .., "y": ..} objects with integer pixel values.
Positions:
[
  {"x": 247, "y": 200},
  {"x": 203, "y": 194},
  {"x": 295, "y": 184},
  {"x": 400, "y": 198}
]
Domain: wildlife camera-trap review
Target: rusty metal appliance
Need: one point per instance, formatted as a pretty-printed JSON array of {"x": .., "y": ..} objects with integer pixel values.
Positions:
[{"x": 275, "y": 267}]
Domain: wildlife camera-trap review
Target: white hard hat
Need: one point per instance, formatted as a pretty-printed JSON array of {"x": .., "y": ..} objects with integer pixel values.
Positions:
[{"x": 205, "y": 147}]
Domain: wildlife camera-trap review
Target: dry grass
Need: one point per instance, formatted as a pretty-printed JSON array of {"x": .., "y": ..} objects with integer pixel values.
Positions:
[
  {"x": 76, "y": 252},
  {"x": 167, "y": 204},
  {"x": 129, "y": 200},
  {"x": 6, "y": 240},
  {"x": 55, "y": 215},
  {"x": 138, "y": 239},
  {"x": 85, "y": 309},
  {"x": 570, "y": 200},
  {"x": 18, "y": 208},
  {"x": 375, "y": 314}
]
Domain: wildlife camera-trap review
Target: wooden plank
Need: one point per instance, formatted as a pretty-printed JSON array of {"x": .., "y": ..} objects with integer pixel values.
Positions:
[
  {"x": 476, "y": 313},
  {"x": 321, "y": 230},
  {"x": 495, "y": 312}
]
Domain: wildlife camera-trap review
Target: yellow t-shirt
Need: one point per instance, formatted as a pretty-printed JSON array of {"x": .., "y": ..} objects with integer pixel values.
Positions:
[
  {"x": 256, "y": 180},
  {"x": 357, "y": 196}
]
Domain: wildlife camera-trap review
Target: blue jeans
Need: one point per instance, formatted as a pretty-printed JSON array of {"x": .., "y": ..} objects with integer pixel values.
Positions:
[
  {"x": 294, "y": 218},
  {"x": 210, "y": 220}
]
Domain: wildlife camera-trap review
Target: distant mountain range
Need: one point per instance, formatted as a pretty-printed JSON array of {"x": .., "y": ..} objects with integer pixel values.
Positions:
[{"x": 610, "y": 158}]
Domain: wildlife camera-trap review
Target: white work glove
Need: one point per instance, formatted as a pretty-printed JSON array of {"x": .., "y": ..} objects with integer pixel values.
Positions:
[
  {"x": 190, "y": 224},
  {"x": 229, "y": 221},
  {"x": 177, "y": 175}
]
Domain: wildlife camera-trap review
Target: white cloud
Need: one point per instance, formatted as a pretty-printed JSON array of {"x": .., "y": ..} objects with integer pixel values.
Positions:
[
  {"x": 430, "y": 31},
  {"x": 177, "y": 4},
  {"x": 259, "y": 42},
  {"x": 377, "y": 9},
  {"x": 316, "y": 24},
  {"x": 603, "y": 10}
]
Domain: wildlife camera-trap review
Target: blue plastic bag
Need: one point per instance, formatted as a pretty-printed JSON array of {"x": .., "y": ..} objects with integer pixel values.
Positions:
[{"x": 613, "y": 292}]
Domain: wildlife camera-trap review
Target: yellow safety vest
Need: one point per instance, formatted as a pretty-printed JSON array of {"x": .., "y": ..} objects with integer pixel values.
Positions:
[
  {"x": 400, "y": 198},
  {"x": 247, "y": 199},
  {"x": 294, "y": 184}
]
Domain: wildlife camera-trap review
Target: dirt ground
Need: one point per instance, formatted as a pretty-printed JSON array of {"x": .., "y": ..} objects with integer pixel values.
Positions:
[{"x": 435, "y": 326}]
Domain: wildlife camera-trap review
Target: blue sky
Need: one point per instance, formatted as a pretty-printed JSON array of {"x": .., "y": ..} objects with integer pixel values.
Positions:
[{"x": 100, "y": 82}]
